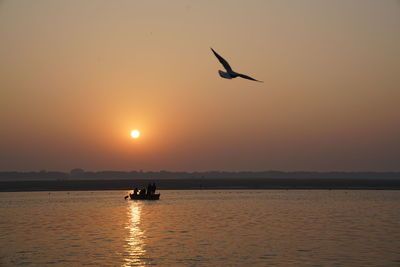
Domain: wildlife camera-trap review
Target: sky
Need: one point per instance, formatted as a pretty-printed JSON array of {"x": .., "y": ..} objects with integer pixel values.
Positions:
[{"x": 77, "y": 76}]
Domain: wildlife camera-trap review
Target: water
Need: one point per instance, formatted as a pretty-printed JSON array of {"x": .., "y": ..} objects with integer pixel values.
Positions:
[{"x": 201, "y": 228}]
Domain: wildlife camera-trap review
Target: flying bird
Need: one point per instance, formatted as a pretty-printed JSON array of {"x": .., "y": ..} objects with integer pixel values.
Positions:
[{"x": 229, "y": 74}]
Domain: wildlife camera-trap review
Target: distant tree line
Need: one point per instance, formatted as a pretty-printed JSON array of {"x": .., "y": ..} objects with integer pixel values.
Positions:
[{"x": 80, "y": 174}]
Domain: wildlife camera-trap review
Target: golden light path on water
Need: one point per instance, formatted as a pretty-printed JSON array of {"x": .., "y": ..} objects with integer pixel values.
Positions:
[{"x": 135, "y": 251}]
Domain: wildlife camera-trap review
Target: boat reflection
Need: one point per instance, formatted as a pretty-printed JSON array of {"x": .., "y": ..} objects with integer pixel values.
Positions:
[{"x": 135, "y": 251}]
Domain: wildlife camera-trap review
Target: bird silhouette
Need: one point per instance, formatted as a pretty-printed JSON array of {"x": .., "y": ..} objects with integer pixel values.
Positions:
[{"x": 230, "y": 74}]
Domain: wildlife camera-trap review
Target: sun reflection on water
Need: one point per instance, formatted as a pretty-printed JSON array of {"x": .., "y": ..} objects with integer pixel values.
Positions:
[{"x": 135, "y": 251}]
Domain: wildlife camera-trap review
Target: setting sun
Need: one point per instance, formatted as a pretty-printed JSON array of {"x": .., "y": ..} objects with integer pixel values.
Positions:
[{"x": 135, "y": 134}]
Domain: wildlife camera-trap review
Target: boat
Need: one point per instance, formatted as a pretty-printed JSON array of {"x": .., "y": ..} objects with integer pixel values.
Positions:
[{"x": 145, "y": 197}]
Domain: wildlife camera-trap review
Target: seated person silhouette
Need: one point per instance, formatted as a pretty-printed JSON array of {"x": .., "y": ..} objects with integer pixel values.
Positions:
[
  {"x": 135, "y": 192},
  {"x": 142, "y": 192}
]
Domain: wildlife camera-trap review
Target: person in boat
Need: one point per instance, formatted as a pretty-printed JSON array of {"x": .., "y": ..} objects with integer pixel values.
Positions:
[
  {"x": 153, "y": 187},
  {"x": 135, "y": 191},
  {"x": 149, "y": 189},
  {"x": 142, "y": 192}
]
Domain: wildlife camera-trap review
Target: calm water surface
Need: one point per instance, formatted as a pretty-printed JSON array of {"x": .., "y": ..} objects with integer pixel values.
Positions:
[{"x": 201, "y": 228}]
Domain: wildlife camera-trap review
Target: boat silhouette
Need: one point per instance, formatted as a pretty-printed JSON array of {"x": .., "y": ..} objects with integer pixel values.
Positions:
[{"x": 144, "y": 197}]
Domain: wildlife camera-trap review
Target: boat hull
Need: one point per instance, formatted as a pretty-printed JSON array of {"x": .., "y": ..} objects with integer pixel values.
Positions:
[{"x": 144, "y": 197}]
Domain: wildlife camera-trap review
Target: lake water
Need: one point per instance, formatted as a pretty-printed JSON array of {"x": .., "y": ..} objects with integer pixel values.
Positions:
[{"x": 201, "y": 228}]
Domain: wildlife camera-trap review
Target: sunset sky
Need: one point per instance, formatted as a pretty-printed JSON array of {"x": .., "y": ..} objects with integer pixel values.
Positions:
[{"x": 77, "y": 76}]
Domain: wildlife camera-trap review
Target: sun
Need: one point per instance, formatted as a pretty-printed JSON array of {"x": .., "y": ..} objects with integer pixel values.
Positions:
[{"x": 135, "y": 134}]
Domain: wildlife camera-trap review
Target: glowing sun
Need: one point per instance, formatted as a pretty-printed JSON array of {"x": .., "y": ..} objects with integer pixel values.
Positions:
[{"x": 135, "y": 134}]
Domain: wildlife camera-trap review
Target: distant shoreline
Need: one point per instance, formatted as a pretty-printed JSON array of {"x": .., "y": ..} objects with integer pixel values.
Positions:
[{"x": 197, "y": 184}]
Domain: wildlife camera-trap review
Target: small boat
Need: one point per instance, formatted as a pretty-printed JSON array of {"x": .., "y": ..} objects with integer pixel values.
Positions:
[{"x": 145, "y": 197}]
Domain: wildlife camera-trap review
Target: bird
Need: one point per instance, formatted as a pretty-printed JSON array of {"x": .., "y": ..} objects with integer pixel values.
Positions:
[{"x": 230, "y": 74}]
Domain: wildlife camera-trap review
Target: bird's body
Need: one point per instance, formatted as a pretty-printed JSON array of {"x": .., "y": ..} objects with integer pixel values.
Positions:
[
  {"x": 230, "y": 74},
  {"x": 225, "y": 75}
]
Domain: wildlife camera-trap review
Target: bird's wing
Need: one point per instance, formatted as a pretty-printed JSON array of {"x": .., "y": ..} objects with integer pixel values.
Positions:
[
  {"x": 248, "y": 78},
  {"x": 223, "y": 61}
]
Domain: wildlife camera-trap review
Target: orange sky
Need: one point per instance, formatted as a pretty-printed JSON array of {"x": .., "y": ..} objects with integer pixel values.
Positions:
[{"x": 77, "y": 76}]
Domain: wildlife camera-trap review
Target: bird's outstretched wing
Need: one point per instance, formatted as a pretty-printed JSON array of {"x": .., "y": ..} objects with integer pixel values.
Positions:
[
  {"x": 223, "y": 61},
  {"x": 248, "y": 78}
]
